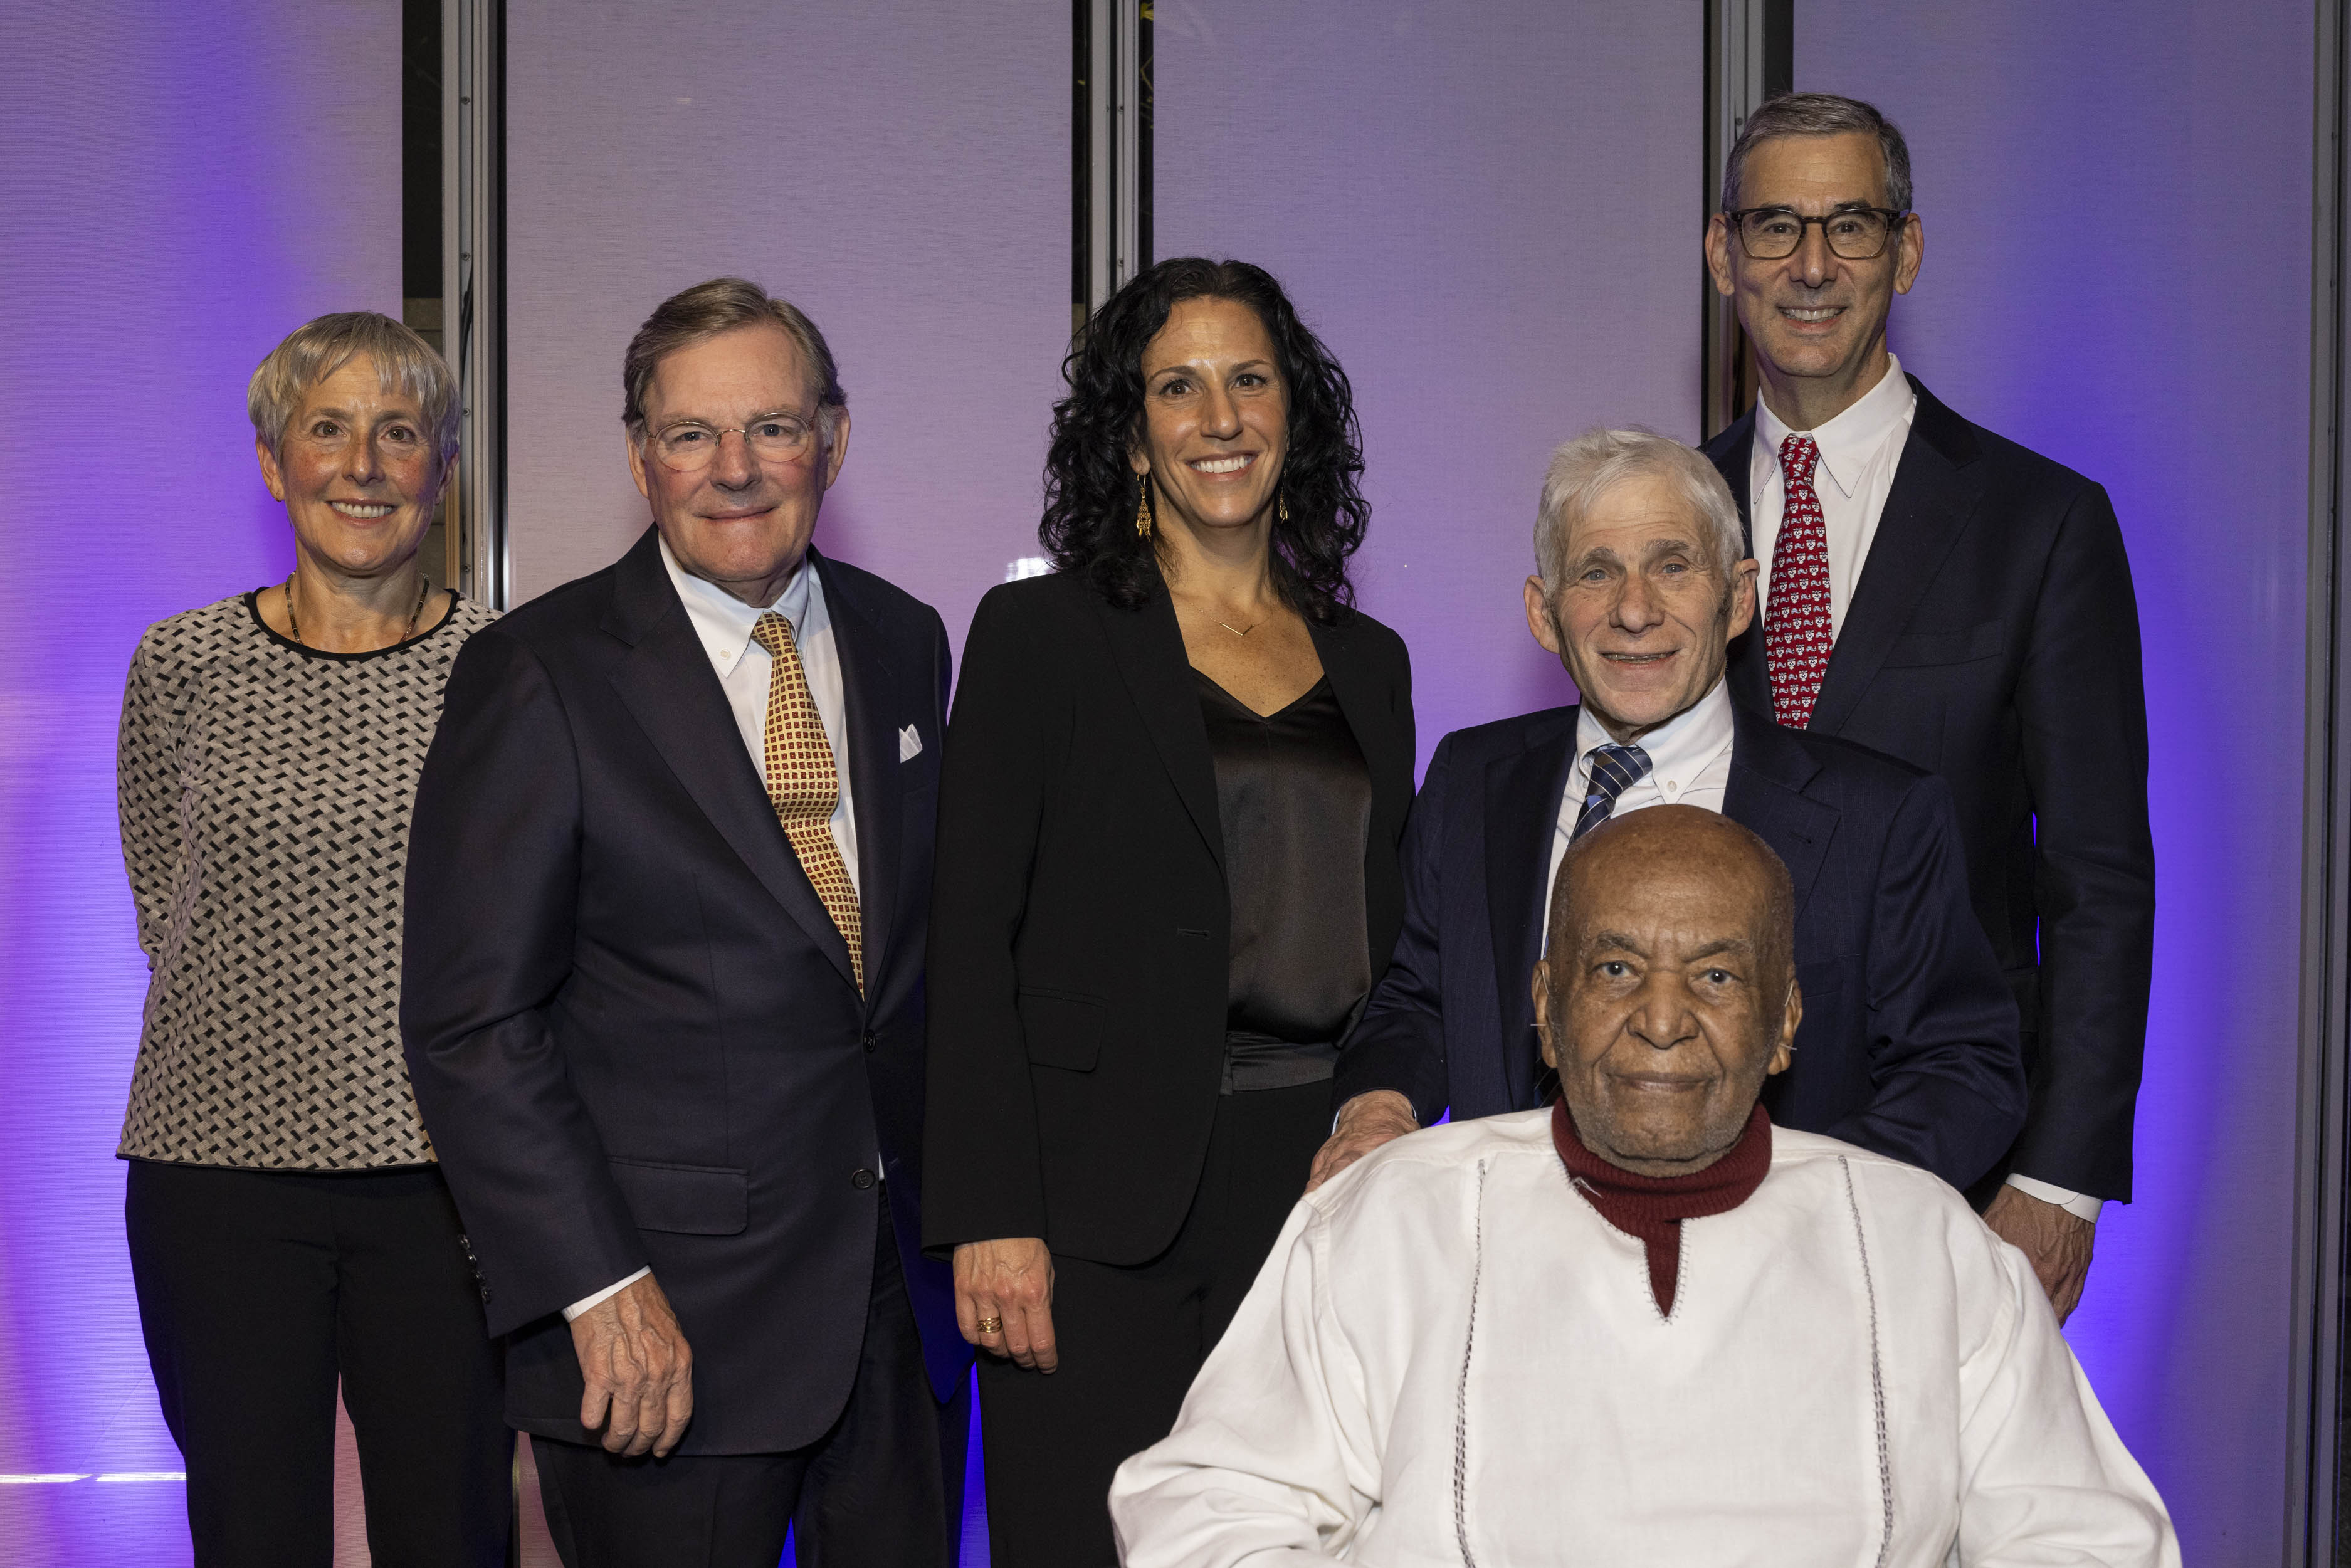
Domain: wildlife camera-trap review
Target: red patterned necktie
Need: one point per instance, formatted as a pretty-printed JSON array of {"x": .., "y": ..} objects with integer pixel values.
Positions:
[
  {"x": 1796, "y": 634},
  {"x": 803, "y": 786}
]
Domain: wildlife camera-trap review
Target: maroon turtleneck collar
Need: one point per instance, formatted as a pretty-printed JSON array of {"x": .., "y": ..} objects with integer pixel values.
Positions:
[{"x": 1652, "y": 1208}]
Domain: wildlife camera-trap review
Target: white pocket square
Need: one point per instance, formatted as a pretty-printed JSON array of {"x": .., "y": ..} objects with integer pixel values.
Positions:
[{"x": 910, "y": 744}]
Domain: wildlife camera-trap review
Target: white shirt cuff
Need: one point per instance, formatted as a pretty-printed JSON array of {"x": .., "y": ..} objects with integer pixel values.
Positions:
[
  {"x": 2073, "y": 1203},
  {"x": 617, "y": 1286}
]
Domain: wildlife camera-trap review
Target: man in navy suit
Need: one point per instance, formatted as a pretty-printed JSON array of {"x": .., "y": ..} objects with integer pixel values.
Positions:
[
  {"x": 1947, "y": 597},
  {"x": 1907, "y": 1044},
  {"x": 662, "y": 1004}
]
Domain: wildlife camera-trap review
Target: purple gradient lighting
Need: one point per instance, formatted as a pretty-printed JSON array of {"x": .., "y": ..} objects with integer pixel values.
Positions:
[
  {"x": 183, "y": 185},
  {"x": 2117, "y": 207}
]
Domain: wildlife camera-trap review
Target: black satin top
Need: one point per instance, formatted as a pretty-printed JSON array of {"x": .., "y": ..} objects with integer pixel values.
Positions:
[{"x": 1294, "y": 801}]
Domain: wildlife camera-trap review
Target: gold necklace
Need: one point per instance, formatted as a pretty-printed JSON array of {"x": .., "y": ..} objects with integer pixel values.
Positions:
[
  {"x": 1239, "y": 631},
  {"x": 423, "y": 588}
]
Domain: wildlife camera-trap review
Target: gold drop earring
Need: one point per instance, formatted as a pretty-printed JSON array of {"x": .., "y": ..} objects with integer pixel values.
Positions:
[
  {"x": 1143, "y": 508},
  {"x": 1281, "y": 504}
]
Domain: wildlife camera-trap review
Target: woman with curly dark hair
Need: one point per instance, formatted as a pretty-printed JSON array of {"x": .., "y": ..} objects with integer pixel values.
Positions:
[{"x": 1175, "y": 782}]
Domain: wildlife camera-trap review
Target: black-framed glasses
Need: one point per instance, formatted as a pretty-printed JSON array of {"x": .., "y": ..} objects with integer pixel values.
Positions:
[
  {"x": 1853, "y": 234},
  {"x": 690, "y": 444}
]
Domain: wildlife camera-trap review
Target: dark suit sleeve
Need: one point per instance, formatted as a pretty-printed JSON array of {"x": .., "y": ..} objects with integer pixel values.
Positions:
[
  {"x": 1946, "y": 1074},
  {"x": 983, "y": 1177},
  {"x": 2082, "y": 702},
  {"x": 1399, "y": 1043},
  {"x": 493, "y": 876}
]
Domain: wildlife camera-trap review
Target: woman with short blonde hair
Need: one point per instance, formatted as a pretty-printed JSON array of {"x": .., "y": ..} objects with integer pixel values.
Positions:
[{"x": 288, "y": 1226}]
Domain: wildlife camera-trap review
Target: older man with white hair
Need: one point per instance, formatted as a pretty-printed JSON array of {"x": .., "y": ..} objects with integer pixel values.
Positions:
[
  {"x": 1645, "y": 1326},
  {"x": 1909, "y": 1042}
]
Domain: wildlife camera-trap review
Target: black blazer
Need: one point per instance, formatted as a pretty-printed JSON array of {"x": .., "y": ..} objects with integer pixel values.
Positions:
[
  {"x": 632, "y": 1026},
  {"x": 1993, "y": 639},
  {"x": 1908, "y": 1041},
  {"x": 1081, "y": 921}
]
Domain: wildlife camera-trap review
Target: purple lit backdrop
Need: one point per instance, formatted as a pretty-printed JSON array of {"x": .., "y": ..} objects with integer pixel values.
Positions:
[
  {"x": 2117, "y": 203},
  {"x": 1489, "y": 212},
  {"x": 900, "y": 170},
  {"x": 182, "y": 185}
]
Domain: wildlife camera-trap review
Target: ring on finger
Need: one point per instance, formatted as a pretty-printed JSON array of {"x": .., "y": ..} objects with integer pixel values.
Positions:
[{"x": 991, "y": 1326}]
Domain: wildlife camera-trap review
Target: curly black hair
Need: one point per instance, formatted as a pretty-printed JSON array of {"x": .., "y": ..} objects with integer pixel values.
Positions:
[{"x": 1091, "y": 491}]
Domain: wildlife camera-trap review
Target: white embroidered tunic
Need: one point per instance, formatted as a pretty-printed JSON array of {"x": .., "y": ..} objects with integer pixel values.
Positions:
[{"x": 1451, "y": 1358}]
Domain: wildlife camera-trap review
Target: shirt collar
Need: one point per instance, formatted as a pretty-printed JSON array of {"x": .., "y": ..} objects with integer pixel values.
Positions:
[
  {"x": 1849, "y": 442},
  {"x": 724, "y": 622},
  {"x": 1679, "y": 749}
]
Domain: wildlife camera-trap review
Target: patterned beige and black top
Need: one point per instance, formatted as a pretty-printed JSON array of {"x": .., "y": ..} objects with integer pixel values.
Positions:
[{"x": 265, "y": 791}]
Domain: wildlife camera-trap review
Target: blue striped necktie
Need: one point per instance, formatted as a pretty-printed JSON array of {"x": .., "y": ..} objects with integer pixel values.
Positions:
[{"x": 1614, "y": 770}]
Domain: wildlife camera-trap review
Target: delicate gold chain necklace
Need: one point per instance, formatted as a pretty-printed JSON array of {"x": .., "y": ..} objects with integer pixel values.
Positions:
[
  {"x": 1239, "y": 631},
  {"x": 423, "y": 589}
]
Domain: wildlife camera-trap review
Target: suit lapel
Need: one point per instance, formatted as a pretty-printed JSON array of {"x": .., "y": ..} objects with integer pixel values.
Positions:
[
  {"x": 1733, "y": 454},
  {"x": 1369, "y": 714},
  {"x": 1935, "y": 492},
  {"x": 1522, "y": 801},
  {"x": 668, "y": 686},
  {"x": 1768, "y": 772},
  {"x": 870, "y": 697},
  {"x": 1149, "y": 650}
]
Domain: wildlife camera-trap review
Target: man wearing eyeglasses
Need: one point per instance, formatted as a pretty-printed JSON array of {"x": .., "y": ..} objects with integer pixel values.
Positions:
[
  {"x": 1941, "y": 594},
  {"x": 666, "y": 1025}
]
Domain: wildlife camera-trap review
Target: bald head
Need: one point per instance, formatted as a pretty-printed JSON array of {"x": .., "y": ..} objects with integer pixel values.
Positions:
[{"x": 1668, "y": 992}]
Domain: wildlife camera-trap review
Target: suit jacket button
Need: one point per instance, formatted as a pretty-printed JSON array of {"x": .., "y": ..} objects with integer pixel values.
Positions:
[
  {"x": 860, "y": 1178},
  {"x": 869, "y": 1041}
]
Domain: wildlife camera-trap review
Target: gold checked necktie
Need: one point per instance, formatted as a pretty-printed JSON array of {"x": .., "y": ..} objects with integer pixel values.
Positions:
[
  {"x": 1797, "y": 638},
  {"x": 802, "y": 786}
]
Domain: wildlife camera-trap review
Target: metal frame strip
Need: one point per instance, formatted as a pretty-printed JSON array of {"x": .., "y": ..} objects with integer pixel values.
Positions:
[
  {"x": 2323, "y": 1178},
  {"x": 473, "y": 283},
  {"x": 1117, "y": 146}
]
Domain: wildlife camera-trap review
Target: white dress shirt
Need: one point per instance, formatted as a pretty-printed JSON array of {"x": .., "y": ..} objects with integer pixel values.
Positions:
[
  {"x": 724, "y": 622},
  {"x": 1689, "y": 756},
  {"x": 1860, "y": 450}
]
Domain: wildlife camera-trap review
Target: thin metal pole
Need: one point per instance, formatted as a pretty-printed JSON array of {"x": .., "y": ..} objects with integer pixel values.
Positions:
[
  {"x": 1749, "y": 58},
  {"x": 473, "y": 282},
  {"x": 2314, "y": 1500},
  {"x": 1117, "y": 146}
]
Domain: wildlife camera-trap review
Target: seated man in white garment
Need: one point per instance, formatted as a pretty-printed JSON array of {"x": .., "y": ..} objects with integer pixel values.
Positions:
[{"x": 1644, "y": 1327}]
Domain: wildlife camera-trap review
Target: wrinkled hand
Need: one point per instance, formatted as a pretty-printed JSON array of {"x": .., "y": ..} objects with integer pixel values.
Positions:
[
  {"x": 2057, "y": 1243},
  {"x": 638, "y": 1370},
  {"x": 1012, "y": 1280},
  {"x": 1365, "y": 1124}
]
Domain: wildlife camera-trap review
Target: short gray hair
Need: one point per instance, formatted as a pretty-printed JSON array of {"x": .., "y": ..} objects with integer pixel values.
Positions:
[
  {"x": 315, "y": 350},
  {"x": 708, "y": 310},
  {"x": 1820, "y": 114},
  {"x": 1588, "y": 467}
]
